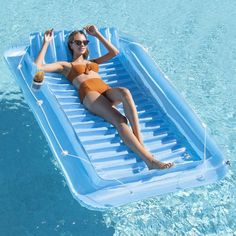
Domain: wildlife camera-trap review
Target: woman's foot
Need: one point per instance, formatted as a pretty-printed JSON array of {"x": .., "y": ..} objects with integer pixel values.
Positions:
[{"x": 155, "y": 164}]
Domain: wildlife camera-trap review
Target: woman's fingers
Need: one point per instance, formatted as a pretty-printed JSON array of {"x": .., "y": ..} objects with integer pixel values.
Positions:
[
  {"x": 48, "y": 35},
  {"x": 87, "y": 28},
  {"x": 49, "y": 32},
  {"x": 90, "y": 28}
]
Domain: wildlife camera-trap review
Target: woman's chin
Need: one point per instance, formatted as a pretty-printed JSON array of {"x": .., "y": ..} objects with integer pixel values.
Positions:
[{"x": 82, "y": 51}]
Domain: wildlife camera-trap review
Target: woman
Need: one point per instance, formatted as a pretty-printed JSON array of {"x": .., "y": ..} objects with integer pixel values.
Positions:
[{"x": 95, "y": 94}]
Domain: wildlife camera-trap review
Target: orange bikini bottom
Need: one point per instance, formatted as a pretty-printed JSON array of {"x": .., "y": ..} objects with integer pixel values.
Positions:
[{"x": 93, "y": 84}]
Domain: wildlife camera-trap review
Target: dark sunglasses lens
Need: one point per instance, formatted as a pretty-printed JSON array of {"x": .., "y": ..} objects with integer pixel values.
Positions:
[
  {"x": 78, "y": 42},
  {"x": 86, "y": 42}
]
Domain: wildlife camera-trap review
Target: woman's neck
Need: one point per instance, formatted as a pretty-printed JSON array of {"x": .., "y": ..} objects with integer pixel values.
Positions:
[{"x": 78, "y": 58}]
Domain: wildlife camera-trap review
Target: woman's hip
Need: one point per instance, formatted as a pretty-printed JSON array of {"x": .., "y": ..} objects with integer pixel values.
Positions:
[{"x": 94, "y": 84}]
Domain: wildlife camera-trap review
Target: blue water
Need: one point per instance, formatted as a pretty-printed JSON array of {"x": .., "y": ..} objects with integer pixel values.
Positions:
[{"x": 194, "y": 42}]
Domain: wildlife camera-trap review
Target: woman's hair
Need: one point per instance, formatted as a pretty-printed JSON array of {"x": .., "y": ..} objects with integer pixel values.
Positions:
[{"x": 71, "y": 39}]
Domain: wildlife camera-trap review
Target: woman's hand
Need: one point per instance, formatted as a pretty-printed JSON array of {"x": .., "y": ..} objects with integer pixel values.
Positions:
[
  {"x": 48, "y": 36},
  {"x": 91, "y": 29}
]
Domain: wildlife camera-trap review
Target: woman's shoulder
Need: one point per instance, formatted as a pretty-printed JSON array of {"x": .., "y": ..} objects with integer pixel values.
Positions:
[
  {"x": 66, "y": 66},
  {"x": 65, "y": 63},
  {"x": 93, "y": 61}
]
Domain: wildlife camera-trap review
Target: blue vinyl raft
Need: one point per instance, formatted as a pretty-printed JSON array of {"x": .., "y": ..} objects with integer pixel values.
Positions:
[{"x": 100, "y": 170}]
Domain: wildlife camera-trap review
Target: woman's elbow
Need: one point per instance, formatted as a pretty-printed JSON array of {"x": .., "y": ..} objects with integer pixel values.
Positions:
[{"x": 115, "y": 52}]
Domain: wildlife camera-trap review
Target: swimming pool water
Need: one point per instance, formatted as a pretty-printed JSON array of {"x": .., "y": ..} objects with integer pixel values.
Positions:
[{"x": 194, "y": 42}]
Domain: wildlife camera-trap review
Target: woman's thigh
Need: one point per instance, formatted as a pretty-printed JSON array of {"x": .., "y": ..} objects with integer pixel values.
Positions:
[
  {"x": 101, "y": 106},
  {"x": 114, "y": 95}
]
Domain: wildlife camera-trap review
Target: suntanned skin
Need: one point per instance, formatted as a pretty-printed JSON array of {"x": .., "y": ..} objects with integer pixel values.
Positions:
[{"x": 104, "y": 106}]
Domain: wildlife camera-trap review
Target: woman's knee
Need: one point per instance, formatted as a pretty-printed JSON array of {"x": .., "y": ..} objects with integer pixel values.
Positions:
[{"x": 125, "y": 93}]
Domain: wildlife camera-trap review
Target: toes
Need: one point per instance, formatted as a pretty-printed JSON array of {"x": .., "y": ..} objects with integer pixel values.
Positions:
[
  {"x": 168, "y": 165},
  {"x": 160, "y": 165}
]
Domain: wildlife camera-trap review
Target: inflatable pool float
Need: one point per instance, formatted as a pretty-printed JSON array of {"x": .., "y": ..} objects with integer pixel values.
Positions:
[{"x": 100, "y": 170}]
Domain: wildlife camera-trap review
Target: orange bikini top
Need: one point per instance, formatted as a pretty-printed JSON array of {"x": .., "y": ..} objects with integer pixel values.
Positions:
[{"x": 82, "y": 69}]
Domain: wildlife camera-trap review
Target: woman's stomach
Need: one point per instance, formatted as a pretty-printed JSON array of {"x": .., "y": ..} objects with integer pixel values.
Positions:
[{"x": 78, "y": 80}]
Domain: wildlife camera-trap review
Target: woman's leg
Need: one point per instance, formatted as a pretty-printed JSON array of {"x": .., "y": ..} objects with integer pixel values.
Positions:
[
  {"x": 100, "y": 105},
  {"x": 121, "y": 94}
]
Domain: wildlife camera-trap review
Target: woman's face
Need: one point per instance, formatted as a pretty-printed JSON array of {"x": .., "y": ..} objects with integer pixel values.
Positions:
[{"x": 79, "y": 39}]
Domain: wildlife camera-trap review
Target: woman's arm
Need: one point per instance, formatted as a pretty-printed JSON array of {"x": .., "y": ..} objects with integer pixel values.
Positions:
[
  {"x": 52, "y": 67},
  {"x": 112, "y": 50}
]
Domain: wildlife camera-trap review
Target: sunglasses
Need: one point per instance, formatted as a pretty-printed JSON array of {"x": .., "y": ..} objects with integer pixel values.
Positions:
[{"x": 79, "y": 42}]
